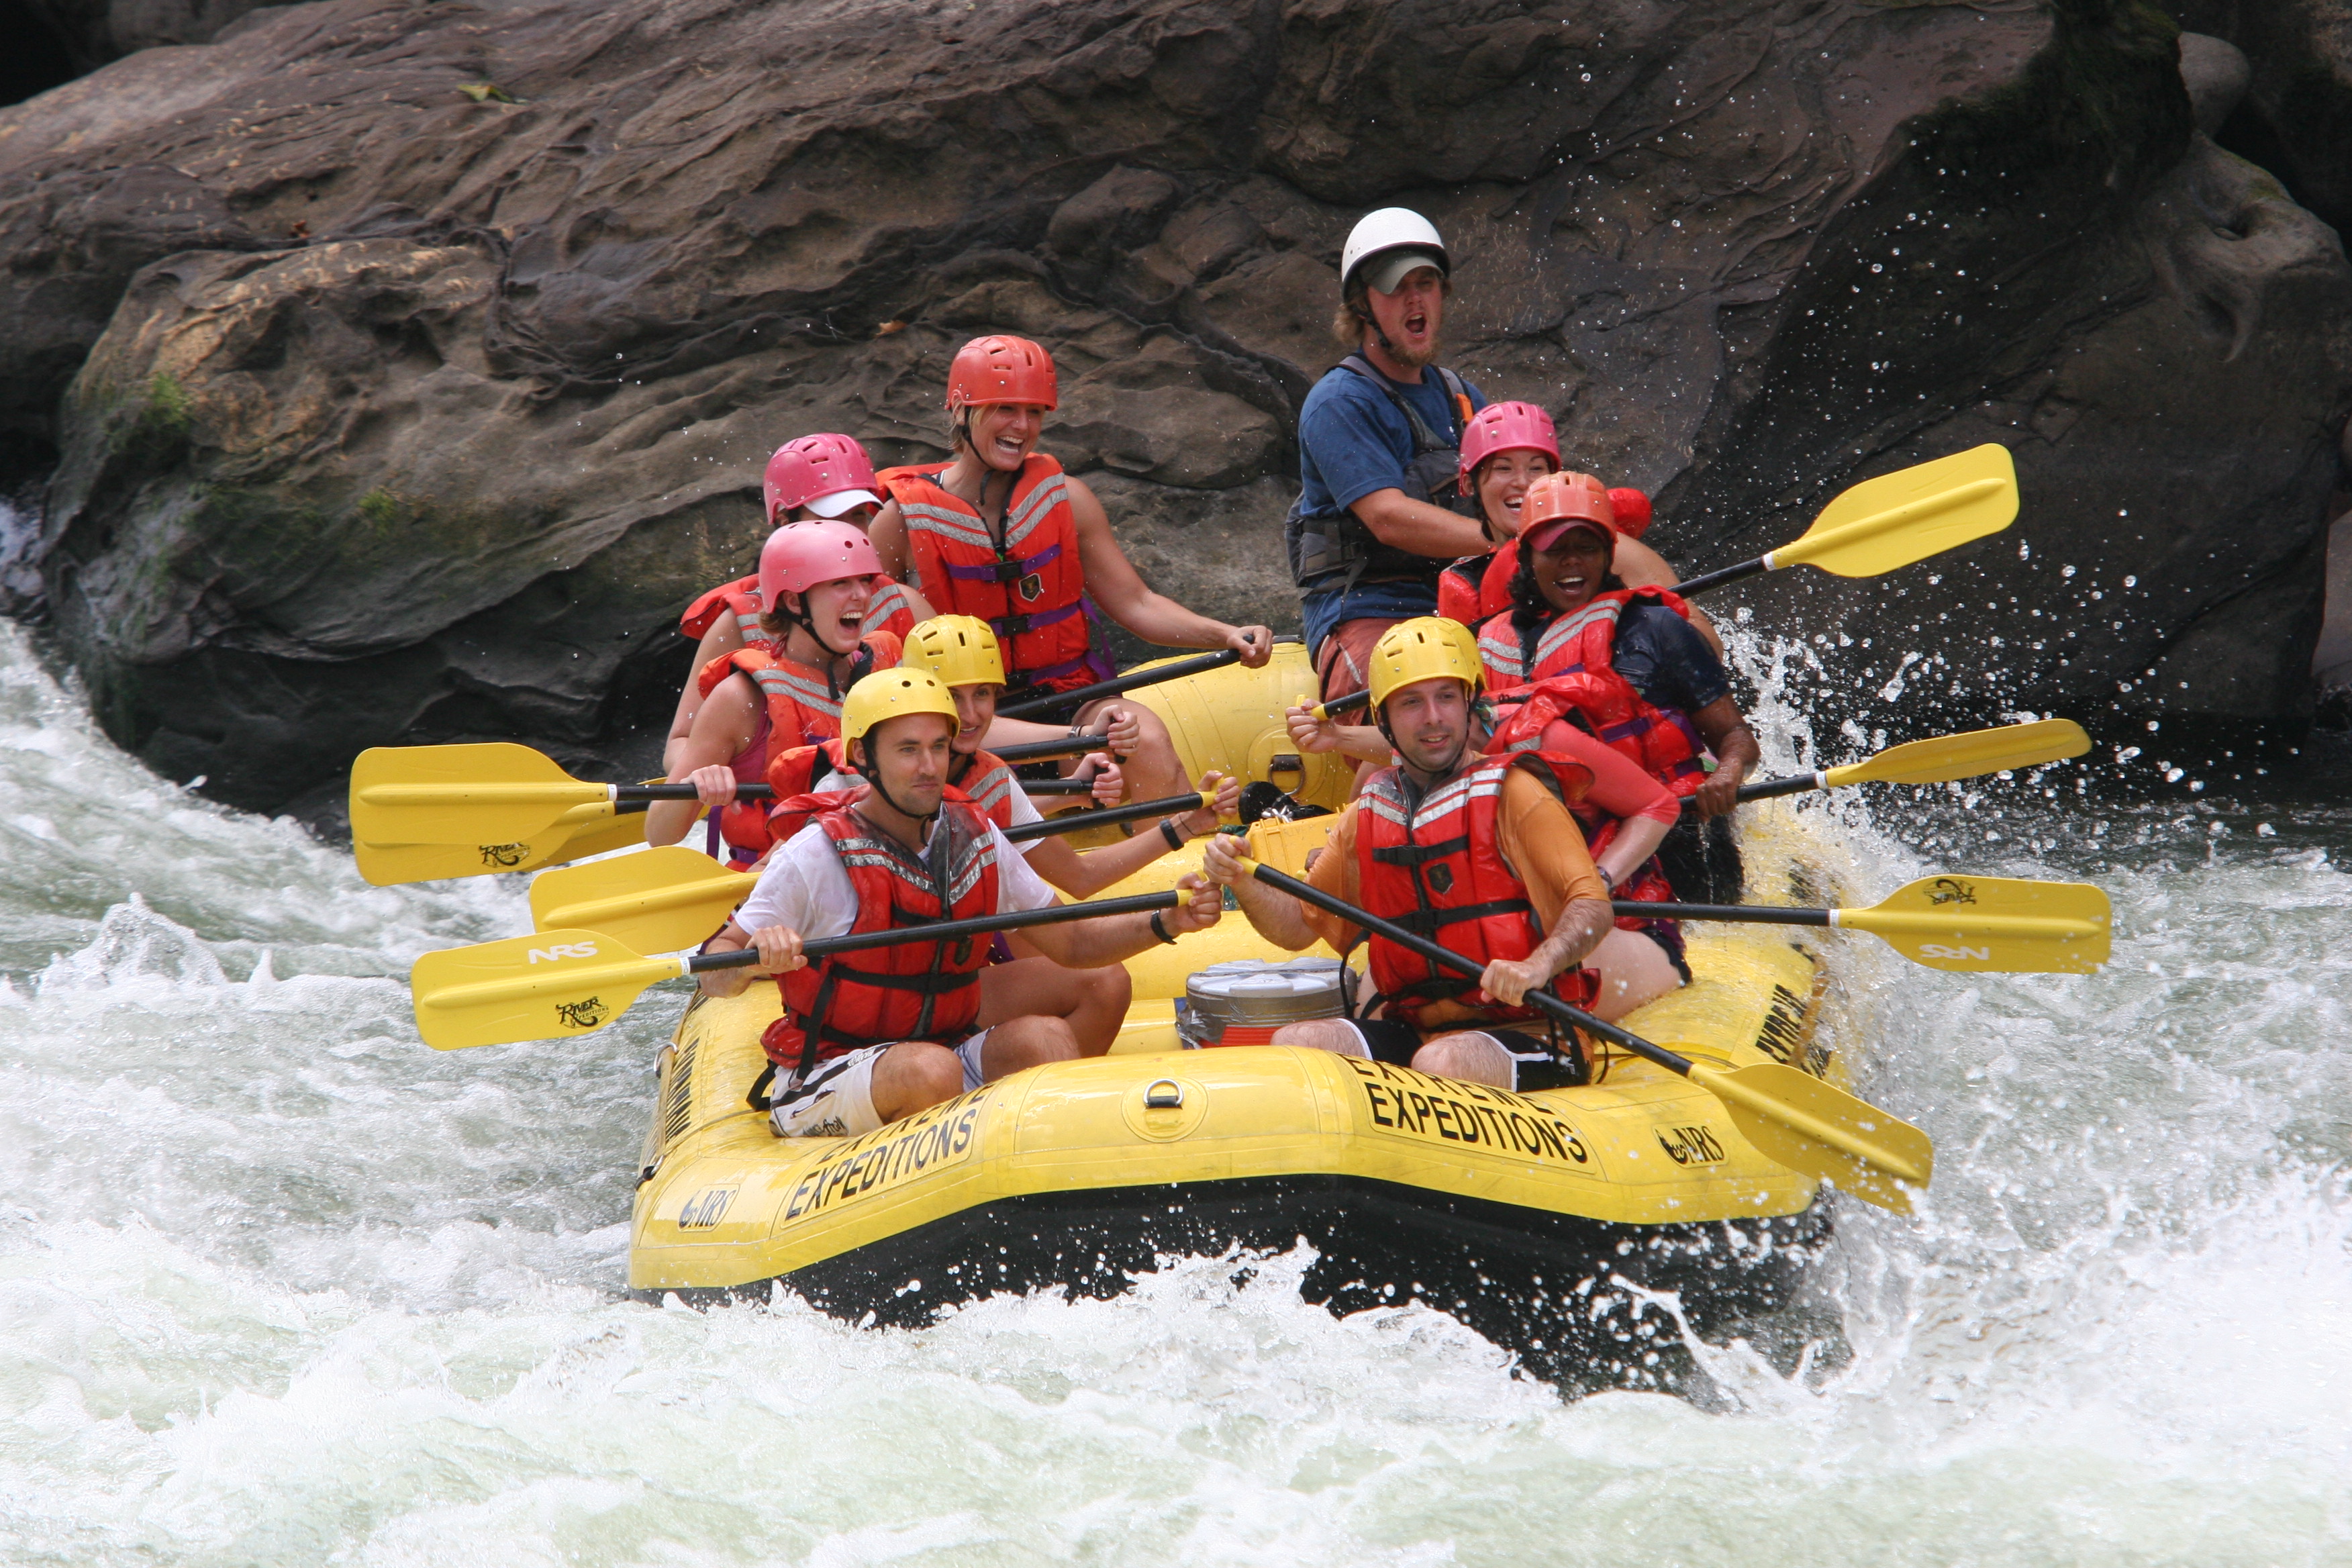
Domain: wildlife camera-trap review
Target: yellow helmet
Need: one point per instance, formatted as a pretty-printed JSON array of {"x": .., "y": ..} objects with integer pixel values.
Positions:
[
  {"x": 893, "y": 694},
  {"x": 960, "y": 650},
  {"x": 1426, "y": 647}
]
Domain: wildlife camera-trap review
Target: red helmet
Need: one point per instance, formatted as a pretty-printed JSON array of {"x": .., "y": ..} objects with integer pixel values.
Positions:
[
  {"x": 829, "y": 473},
  {"x": 800, "y": 555},
  {"x": 1001, "y": 370},
  {"x": 1633, "y": 510},
  {"x": 1506, "y": 428},
  {"x": 1557, "y": 502}
]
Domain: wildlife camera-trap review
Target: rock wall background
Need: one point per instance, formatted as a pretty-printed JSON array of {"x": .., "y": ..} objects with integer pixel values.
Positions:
[{"x": 384, "y": 370}]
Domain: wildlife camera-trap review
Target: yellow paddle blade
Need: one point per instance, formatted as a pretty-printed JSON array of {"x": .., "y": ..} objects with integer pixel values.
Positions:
[
  {"x": 533, "y": 987},
  {"x": 1821, "y": 1131},
  {"x": 658, "y": 901},
  {"x": 1992, "y": 923},
  {"x": 1967, "y": 755},
  {"x": 492, "y": 792},
  {"x": 1897, "y": 519},
  {"x": 582, "y": 831}
]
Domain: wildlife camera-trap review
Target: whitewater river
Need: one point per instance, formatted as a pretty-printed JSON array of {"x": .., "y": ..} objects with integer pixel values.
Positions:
[{"x": 278, "y": 1284}]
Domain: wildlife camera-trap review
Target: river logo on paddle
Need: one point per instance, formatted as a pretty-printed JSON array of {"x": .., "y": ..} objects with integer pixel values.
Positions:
[
  {"x": 1951, "y": 890},
  {"x": 582, "y": 1014},
  {"x": 504, "y": 856}
]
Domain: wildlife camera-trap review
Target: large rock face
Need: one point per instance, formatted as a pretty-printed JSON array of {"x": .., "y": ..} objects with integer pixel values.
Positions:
[{"x": 382, "y": 409}]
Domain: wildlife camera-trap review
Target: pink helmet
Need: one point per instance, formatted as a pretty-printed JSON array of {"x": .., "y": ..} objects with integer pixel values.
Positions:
[
  {"x": 800, "y": 555},
  {"x": 1000, "y": 369},
  {"x": 1506, "y": 428},
  {"x": 1632, "y": 510},
  {"x": 829, "y": 474}
]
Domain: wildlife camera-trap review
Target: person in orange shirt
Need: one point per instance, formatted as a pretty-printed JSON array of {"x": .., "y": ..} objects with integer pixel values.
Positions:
[{"x": 1479, "y": 853}]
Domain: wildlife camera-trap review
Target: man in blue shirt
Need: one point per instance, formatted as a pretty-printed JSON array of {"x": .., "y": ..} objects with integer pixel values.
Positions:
[{"x": 1379, "y": 439}]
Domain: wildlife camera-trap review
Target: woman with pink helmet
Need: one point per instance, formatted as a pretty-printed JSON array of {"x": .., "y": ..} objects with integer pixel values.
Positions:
[
  {"x": 823, "y": 477},
  {"x": 818, "y": 581}
]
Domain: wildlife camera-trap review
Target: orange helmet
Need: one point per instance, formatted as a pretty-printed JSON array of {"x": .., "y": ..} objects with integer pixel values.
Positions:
[
  {"x": 1001, "y": 370},
  {"x": 1557, "y": 502}
]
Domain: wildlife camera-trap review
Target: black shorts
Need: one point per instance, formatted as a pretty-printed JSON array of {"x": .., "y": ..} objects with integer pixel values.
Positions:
[{"x": 1534, "y": 1064}]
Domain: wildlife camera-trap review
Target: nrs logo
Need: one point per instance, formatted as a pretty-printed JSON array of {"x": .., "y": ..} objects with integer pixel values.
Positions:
[
  {"x": 1938, "y": 949},
  {"x": 562, "y": 951}
]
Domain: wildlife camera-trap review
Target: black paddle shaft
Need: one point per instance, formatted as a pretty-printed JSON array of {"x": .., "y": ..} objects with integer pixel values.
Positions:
[
  {"x": 637, "y": 796},
  {"x": 1075, "y": 821},
  {"x": 1447, "y": 958},
  {"x": 1706, "y": 580},
  {"x": 1750, "y": 914},
  {"x": 1038, "y": 750},
  {"x": 1128, "y": 682},
  {"x": 947, "y": 931}
]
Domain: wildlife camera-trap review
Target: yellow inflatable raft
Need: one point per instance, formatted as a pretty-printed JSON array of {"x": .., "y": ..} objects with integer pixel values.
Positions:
[{"x": 1538, "y": 1219}]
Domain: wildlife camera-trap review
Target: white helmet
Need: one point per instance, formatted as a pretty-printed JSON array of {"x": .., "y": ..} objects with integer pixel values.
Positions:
[{"x": 1400, "y": 237}]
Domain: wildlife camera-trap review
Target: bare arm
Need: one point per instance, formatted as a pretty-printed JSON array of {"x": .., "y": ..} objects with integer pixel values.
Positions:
[
  {"x": 1397, "y": 519},
  {"x": 1275, "y": 915},
  {"x": 1642, "y": 567},
  {"x": 1108, "y": 939},
  {"x": 1726, "y": 732},
  {"x": 1124, "y": 596},
  {"x": 724, "y": 637},
  {"x": 1084, "y": 875},
  {"x": 888, "y": 535},
  {"x": 1361, "y": 741},
  {"x": 722, "y": 729},
  {"x": 1583, "y": 923},
  {"x": 780, "y": 954}
]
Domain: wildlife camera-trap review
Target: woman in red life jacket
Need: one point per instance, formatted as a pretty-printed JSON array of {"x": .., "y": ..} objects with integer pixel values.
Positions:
[
  {"x": 815, "y": 478},
  {"x": 819, "y": 576},
  {"x": 1505, "y": 447},
  {"x": 870, "y": 1036},
  {"x": 1480, "y": 854},
  {"x": 1000, "y": 532},
  {"x": 1625, "y": 663}
]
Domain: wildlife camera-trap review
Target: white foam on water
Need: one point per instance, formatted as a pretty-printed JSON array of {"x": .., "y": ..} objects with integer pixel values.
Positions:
[{"x": 280, "y": 1285}]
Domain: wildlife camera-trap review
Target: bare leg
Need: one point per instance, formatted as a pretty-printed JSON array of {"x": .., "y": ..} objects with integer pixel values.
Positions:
[
  {"x": 1472, "y": 1058},
  {"x": 1020, "y": 1043},
  {"x": 1092, "y": 1002},
  {"x": 1152, "y": 769},
  {"x": 1334, "y": 1035},
  {"x": 915, "y": 1076},
  {"x": 1634, "y": 970}
]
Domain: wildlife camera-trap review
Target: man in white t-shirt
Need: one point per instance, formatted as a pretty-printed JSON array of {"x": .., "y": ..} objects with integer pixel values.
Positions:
[{"x": 873, "y": 1035}]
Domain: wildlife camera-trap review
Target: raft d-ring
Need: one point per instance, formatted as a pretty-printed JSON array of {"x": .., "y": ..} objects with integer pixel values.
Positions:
[{"x": 1165, "y": 1095}]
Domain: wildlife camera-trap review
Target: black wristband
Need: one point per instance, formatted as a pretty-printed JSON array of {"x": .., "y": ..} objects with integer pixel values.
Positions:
[
  {"x": 1160, "y": 931},
  {"x": 1168, "y": 831}
]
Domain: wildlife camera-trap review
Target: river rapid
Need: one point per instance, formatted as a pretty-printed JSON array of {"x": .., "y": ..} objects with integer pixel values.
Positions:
[{"x": 280, "y": 1285}]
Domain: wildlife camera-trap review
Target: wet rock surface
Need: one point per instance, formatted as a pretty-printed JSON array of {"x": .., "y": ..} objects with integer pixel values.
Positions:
[{"x": 398, "y": 373}]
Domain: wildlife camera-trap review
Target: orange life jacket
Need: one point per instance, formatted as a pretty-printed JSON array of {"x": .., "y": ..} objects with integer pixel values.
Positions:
[
  {"x": 909, "y": 991},
  {"x": 1570, "y": 666},
  {"x": 1477, "y": 588},
  {"x": 802, "y": 707},
  {"x": 988, "y": 782},
  {"x": 888, "y": 611},
  {"x": 1030, "y": 589},
  {"x": 1435, "y": 867}
]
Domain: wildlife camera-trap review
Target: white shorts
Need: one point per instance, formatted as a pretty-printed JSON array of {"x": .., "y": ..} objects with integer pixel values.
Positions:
[{"x": 836, "y": 1099}]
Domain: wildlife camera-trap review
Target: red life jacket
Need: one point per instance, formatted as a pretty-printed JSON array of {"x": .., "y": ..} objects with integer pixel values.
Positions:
[
  {"x": 1648, "y": 883},
  {"x": 1571, "y": 668},
  {"x": 1031, "y": 590},
  {"x": 1435, "y": 867},
  {"x": 802, "y": 708},
  {"x": 1477, "y": 588},
  {"x": 988, "y": 782},
  {"x": 913, "y": 990},
  {"x": 887, "y": 611}
]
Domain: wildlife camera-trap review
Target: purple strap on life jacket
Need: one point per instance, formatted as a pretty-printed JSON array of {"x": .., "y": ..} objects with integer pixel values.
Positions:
[
  {"x": 1009, "y": 571},
  {"x": 1018, "y": 626}
]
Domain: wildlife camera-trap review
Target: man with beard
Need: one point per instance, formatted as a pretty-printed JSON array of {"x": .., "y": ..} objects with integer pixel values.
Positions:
[{"x": 1378, "y": 510}]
